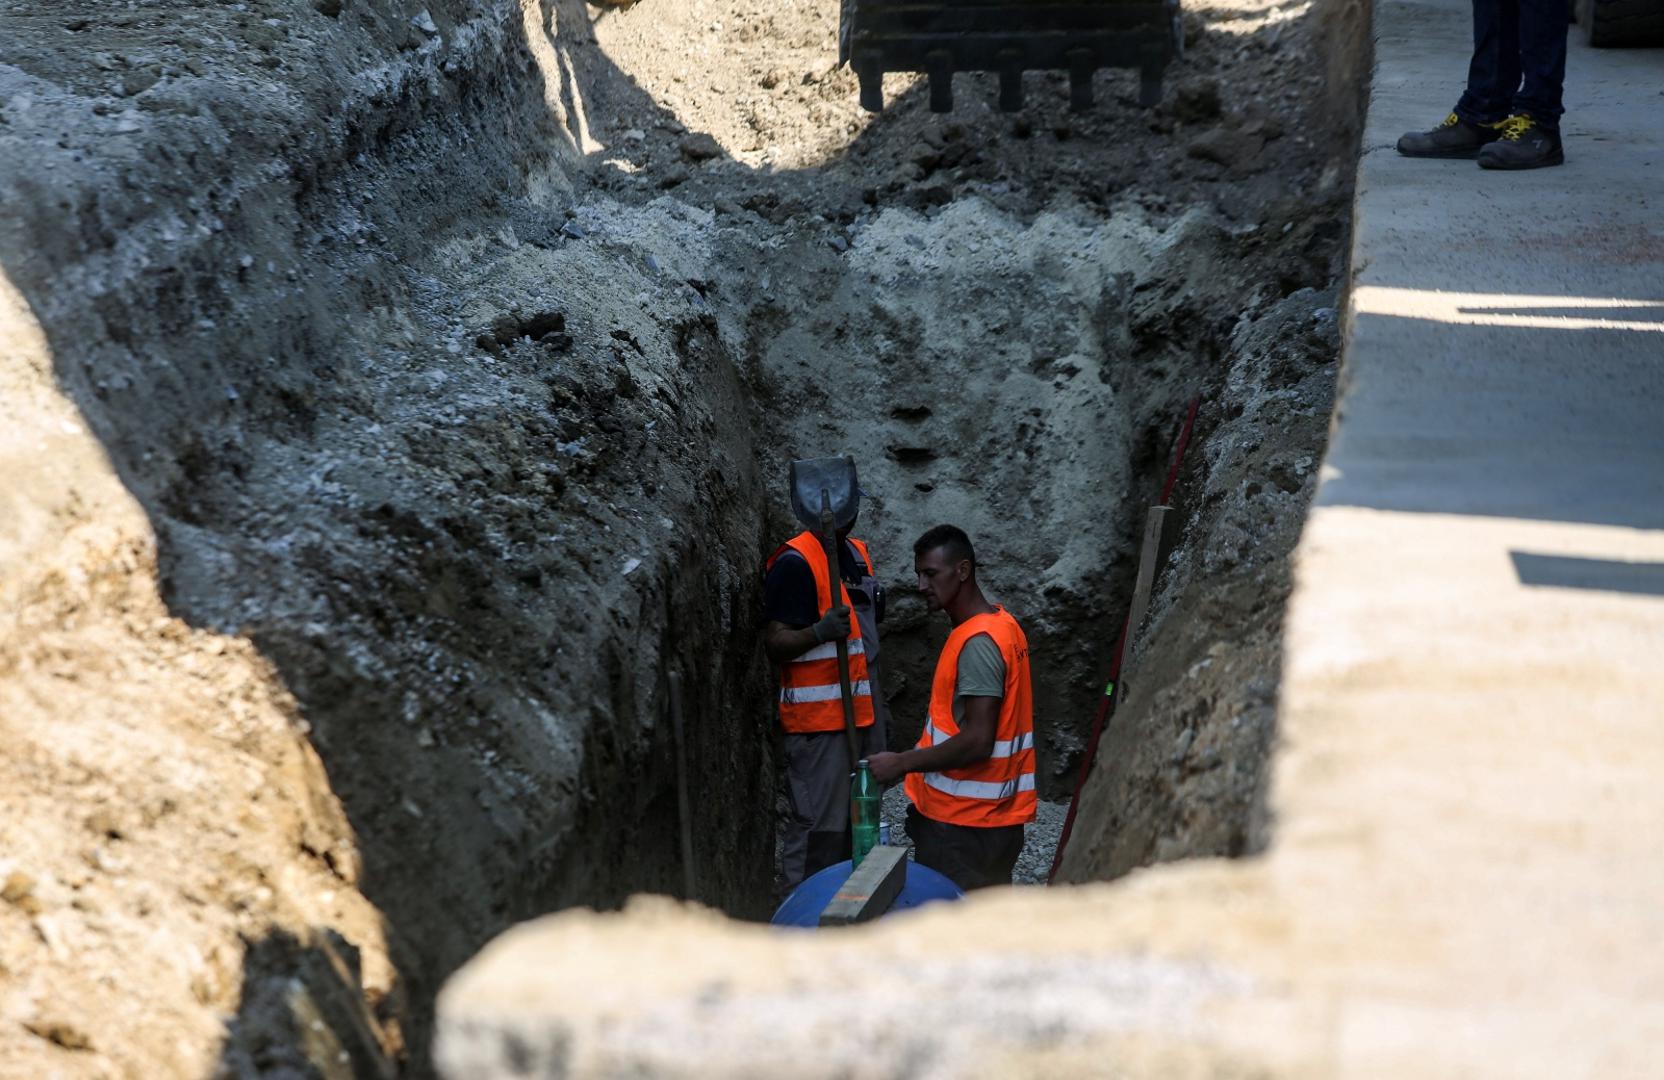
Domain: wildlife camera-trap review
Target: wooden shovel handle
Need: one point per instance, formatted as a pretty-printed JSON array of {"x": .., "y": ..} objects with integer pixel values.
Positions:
[{"x": 829, "y": 540}]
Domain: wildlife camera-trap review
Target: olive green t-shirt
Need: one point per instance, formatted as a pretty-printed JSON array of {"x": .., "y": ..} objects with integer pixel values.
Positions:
[{"x": 981, "y": 674}]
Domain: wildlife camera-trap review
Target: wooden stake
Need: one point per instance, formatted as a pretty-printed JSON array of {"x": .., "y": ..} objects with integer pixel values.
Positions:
[{"x": 1146, "y": 580}]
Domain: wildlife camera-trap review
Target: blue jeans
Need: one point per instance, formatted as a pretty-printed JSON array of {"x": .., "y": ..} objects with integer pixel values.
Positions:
[{"x": 1519, "y": 62}]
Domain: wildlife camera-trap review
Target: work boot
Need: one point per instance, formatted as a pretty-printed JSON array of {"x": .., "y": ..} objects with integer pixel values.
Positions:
[
  {"x": 1455, "y": 138},
  {"x": 1524, "y": 145}
]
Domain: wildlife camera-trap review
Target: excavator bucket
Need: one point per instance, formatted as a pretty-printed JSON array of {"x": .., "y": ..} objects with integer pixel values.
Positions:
[{"x": 1008, "y": 37}]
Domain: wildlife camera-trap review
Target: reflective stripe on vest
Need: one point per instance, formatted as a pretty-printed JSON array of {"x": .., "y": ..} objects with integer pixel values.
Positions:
[
  {"x": 829, "y": 651},
  {"x": 1003, "y": 748},
  {"x": 999, "y": 790},
  {"x": 811, "y": 697},
  {"x": 802, "y": 695},
  {"x": 979, "y": 789}
]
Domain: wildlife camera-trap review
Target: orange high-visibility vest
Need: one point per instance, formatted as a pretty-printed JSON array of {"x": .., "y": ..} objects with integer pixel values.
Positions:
[
  {"x": 1000, "y": 790},
  {"x": 811, "y": 699}
]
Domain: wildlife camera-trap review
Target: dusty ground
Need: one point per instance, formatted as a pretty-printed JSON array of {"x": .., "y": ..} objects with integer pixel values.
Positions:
[{"x": 432, "y": 370}]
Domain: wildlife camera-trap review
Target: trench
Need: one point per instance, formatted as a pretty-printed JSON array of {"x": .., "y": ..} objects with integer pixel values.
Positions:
[{"x": 460, "y": 374}]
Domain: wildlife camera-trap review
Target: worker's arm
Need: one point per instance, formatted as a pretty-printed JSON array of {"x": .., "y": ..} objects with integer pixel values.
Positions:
[
  {"x": 973, "y": 743},
  {"x": 785, "y": 644}
]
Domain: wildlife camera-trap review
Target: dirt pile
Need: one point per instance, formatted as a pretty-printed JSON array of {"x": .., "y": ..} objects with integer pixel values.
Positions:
[
  {"x": 405, "y": 388},
  {"x": 162, "y": 804}
]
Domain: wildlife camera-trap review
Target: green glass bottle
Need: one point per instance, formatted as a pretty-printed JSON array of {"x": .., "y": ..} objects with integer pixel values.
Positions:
[{"x": 864, "y": 807}]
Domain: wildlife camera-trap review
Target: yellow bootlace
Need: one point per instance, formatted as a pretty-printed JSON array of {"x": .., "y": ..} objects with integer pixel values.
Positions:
[
  {"x": 1451, "y": 121},
  {"x": 1517, "y": 125}
]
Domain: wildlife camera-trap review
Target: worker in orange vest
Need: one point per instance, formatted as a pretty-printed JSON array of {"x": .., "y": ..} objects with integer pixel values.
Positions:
[
  {"x": 804, "y": 622},
  {"x": 970, "y": 779}
]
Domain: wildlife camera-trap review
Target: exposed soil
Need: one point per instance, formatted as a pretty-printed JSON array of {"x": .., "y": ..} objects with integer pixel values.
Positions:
[
  {"x": 396, "y": 392},
  {"x": 1003, "y": 318}
]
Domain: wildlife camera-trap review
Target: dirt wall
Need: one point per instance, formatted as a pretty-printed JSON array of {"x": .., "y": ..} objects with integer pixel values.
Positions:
[
  {"x": 1183, "y": 768},
  {"x": 399, "y": 628}
]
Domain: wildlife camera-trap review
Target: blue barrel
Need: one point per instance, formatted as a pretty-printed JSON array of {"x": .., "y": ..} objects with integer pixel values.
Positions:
[{"x": 808, "y": 900}]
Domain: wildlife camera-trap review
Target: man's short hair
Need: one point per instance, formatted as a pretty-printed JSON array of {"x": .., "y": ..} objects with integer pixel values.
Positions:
[{"x": 950, "y": 538}]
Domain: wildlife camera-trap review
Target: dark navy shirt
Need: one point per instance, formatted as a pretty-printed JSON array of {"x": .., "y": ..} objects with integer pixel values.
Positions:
[{"x": 789, "y": 589}]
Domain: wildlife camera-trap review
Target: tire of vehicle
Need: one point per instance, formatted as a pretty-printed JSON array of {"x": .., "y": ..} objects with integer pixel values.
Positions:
[{"x": 1621, "y": 22}]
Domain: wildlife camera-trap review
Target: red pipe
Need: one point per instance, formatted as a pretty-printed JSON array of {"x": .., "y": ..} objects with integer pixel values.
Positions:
[
  {"x": 1106, "y": 703},
  {"x": 1178, "y": 452}
]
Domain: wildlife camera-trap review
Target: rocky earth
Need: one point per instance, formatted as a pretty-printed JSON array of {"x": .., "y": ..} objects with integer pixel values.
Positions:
[
  {"x": 1135, "y": 300},
  {"x": 397, "y": 391}
]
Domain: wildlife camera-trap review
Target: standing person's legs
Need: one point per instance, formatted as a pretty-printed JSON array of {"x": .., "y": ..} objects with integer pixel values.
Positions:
[
  {"x": 795, "y": 826},
  {"x": 970, "y": 858},
  {"x": 1533, "y": 140},
  {"x": 1494, "y": 71},
  {"x": 1542, "y": 36},
  {"x": 815, "y": 833}
]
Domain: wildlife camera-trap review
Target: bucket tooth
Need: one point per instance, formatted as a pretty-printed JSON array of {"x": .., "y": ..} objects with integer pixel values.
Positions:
[
  {"x": 1011, "y": 80},
  {"x": 1081, "y": 65},
  {"x": 1149, "y": 78},
  {"x": 869, "y": 69},
  {"x": 1149, "y": 87},
  {"x": 939, "y": 65}
]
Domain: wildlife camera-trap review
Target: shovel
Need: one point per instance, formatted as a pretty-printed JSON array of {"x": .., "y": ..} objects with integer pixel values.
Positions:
[{"x": 825, "y": 499}]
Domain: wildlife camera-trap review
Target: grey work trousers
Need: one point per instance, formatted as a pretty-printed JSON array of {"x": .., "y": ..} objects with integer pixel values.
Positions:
[{"x": 815, "y": 832}]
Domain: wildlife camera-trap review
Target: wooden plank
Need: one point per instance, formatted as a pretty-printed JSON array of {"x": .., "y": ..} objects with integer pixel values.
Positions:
[
  {"x": 870, "y": 890},
  {"x": 1146, "y": 580}
]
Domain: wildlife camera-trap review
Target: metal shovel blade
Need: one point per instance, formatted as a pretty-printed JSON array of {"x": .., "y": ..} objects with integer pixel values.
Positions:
[{"x": 833, "y": 475}]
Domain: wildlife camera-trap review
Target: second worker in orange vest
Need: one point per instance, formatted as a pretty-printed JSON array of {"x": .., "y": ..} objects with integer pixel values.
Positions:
[{"x": 970, "y": 779}]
